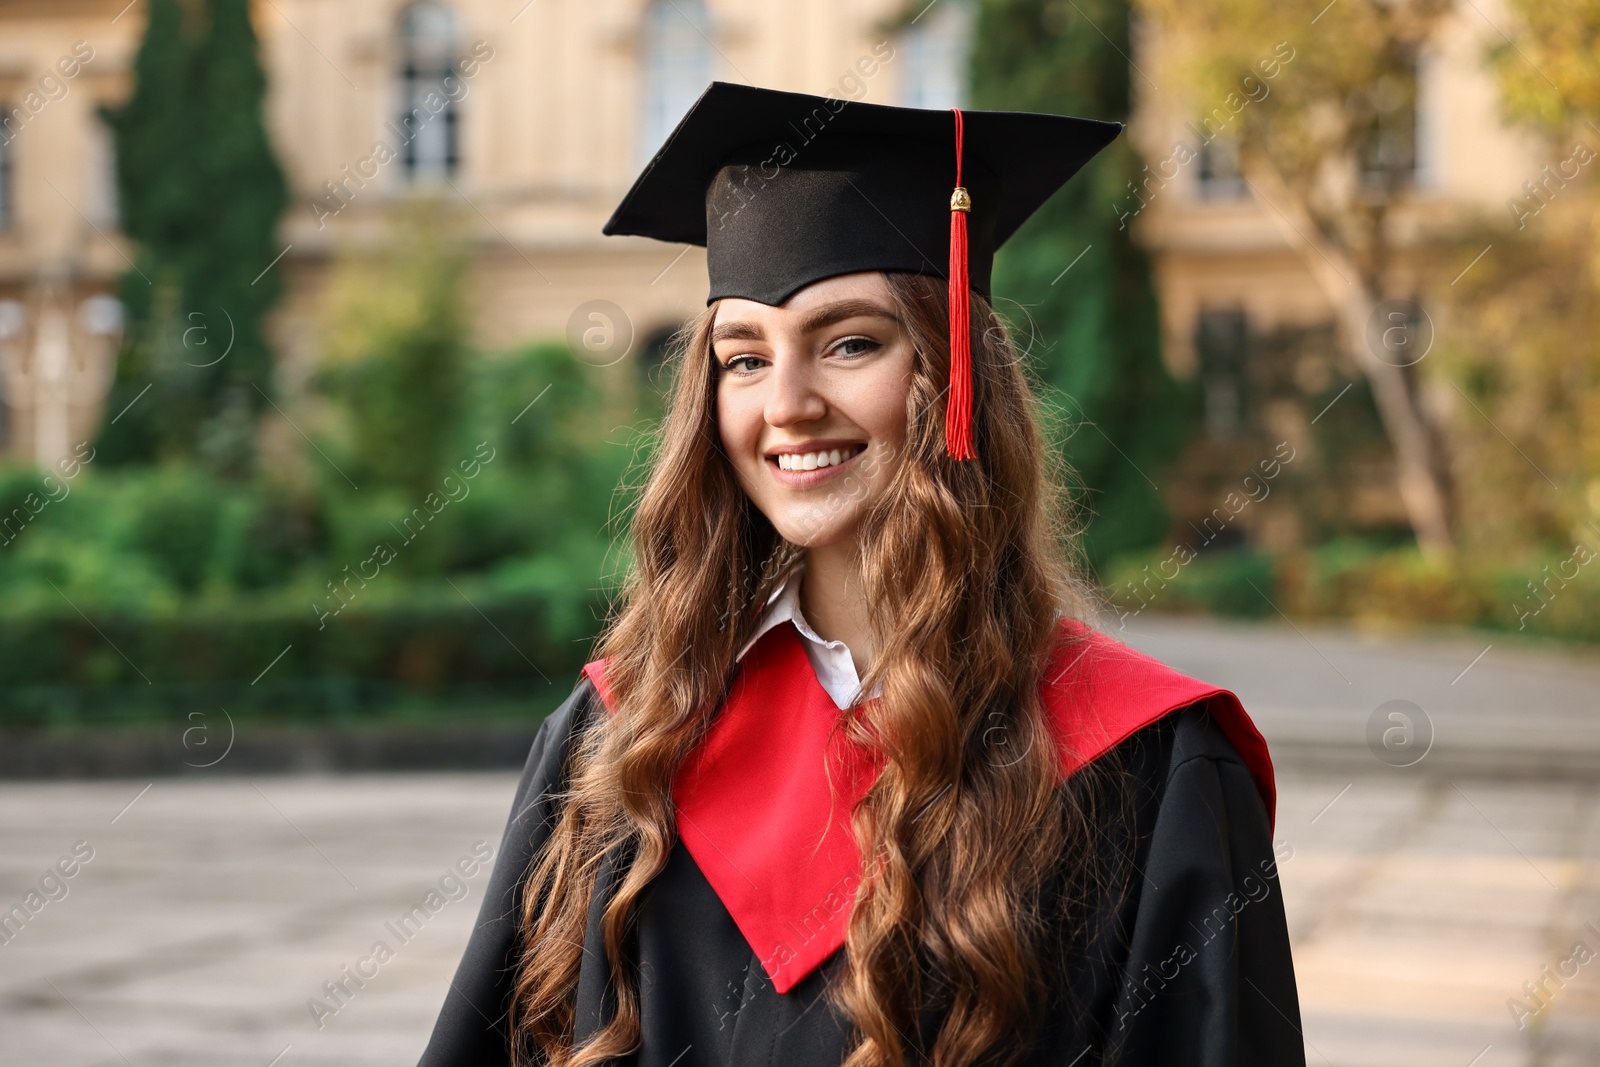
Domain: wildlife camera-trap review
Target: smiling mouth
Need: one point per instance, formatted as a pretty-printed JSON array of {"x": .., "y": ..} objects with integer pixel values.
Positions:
[{"x": 810, "y": 461}]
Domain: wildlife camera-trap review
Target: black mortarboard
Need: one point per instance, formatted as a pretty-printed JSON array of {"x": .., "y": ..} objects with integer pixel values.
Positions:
[{"x": 785, "y": 189}]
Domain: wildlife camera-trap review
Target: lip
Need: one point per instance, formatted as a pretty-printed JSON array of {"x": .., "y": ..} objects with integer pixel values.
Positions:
[{"x": 811, "y": 478}]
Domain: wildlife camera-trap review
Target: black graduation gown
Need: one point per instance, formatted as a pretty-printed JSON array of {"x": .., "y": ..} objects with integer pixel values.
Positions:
[{"x": 1190, "y": 966}]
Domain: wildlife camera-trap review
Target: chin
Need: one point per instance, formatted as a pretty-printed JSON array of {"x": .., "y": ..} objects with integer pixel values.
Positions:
[
  {"x": 805, "y": 537},
  {"x": 801, "y": 528}
]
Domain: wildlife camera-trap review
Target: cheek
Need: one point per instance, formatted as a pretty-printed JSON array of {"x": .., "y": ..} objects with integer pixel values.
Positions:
[
  {"x": 729, "y": 419},
  {"x": 882, "y": 409},
  {"x": 738, "y": 425}
]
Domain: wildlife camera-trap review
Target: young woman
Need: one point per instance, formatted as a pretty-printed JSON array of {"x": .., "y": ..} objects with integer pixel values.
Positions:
[{"x": 849, "y": 783}]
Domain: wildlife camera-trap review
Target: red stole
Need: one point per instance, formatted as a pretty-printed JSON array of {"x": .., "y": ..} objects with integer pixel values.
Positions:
[{"x": 753, "y": 800}]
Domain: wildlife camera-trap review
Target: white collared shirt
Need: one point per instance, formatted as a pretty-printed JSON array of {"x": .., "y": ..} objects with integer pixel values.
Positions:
[{"x": 835, "y": 667}]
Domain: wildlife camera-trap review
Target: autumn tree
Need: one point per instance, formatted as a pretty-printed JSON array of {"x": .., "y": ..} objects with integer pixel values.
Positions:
[
  {"x": 1522, "y": 350},
  {"x": 1326, "y": 153}
]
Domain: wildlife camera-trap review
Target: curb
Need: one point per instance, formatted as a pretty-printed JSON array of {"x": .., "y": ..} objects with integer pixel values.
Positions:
[{"x": 128, "y": 753}]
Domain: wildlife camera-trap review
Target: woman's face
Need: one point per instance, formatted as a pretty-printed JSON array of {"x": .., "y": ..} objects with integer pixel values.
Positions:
[{"x": 811, "y": 402}]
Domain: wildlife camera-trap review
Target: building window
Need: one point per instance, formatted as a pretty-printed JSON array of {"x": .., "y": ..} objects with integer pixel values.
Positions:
[
  {"x": 7, "y": 220},
  {"x": 101, "y": 316},
  {"x": 1222, "y": 342},
  {"x": 932, "y": 52},
  {"x": 428, "y": 116},
  {"x": 675, "y": 59},
  {"x": 1218, "y": 175},
  {"x": 100, "y": 179},
  {"x": 13, "y": 341},
  {"x": 1389, "y": 142},
  {"x": 1428, "y": 146}
]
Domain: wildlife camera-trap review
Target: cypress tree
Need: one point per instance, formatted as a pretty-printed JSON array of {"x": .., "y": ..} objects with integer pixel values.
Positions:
[
  {"x": 200, "y": 191},
  {"x": 1095, "y": 329}
]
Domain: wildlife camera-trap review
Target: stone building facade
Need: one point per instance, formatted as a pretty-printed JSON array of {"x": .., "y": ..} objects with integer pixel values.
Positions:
[{"x": 537, "y": 115}]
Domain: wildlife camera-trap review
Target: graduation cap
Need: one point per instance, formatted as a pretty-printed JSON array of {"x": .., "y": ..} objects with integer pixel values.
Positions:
[{"x": 786, "y": 189}]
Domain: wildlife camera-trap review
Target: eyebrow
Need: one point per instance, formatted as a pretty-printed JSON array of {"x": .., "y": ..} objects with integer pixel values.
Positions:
[{"x": 819, "y": 319}]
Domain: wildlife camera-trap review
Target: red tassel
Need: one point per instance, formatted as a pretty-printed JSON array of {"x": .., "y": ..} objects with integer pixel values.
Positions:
[{"x": 958, "y": 406}]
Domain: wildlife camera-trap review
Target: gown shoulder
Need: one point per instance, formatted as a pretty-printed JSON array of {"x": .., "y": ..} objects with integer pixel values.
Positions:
[
  {"x": 1190, "y": 962},
  {"x": 471, "y": 1024}
]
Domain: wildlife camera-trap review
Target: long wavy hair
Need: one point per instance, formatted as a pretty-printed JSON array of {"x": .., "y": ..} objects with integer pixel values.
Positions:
[{"x": 966, "y": 572}]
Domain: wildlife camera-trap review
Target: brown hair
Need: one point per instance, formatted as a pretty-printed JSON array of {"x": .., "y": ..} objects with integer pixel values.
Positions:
[{"x": 964, "y": 569}]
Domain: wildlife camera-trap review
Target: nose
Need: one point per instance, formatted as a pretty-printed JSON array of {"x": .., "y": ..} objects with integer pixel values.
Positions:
[{"x": 793, "y": 397}]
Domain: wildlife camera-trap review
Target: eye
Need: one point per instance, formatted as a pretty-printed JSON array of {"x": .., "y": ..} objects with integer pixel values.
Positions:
[
  {"x": 734, "y": 364},
  {"x": 856, "y": 346}
]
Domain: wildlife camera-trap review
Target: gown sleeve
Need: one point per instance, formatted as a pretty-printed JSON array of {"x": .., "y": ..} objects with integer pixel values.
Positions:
[
  {"x": 1208, "y": 979},
  {"x": 471, "y": 1025}
]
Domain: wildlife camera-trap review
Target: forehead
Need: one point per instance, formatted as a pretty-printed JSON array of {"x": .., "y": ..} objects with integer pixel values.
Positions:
[{"x": 868, "y": 285}]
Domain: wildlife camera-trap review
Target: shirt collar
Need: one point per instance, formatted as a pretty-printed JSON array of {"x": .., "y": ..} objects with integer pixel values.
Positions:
[
  {"x": 831, "y": 660},
  {"x": 784, "y": 606}
]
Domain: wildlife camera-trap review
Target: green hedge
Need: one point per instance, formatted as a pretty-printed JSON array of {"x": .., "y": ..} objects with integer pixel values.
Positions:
[
  {"x": 148, "y": 591},
  {"x": 435, "y": 650}
]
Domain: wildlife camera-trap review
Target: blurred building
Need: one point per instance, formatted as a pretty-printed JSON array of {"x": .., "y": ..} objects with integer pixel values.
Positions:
[
  {"x": 537, "y": 116},
  {"x": 1245, "y": 315}
]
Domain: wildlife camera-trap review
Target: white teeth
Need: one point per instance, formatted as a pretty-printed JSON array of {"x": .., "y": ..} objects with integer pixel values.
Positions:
[{"x": 810, "y": 461}]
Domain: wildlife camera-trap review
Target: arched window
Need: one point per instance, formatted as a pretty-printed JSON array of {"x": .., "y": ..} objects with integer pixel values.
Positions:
[
  {"x": 933, "y": 52},
  {"x": 427, "y": 119},
  {"x": 675, "y": 67}
]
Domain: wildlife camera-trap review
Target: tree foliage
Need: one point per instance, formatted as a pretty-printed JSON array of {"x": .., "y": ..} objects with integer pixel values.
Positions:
[
  {"x": 1326, "y": 149},
  {"x": 1521, "y": 340},
  {"x": 1082, "y": 288},
  {"x": 1550, "y": 75},
  {"x": 393, "y": 348},
  {"x": 200, "y": 193}
]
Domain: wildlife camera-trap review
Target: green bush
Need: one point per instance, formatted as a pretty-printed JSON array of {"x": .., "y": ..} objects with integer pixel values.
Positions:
[
  {"x": 1222, "y": 582},
  {"x": 174, "y": 523},
  {"x": 131, "y": 590},
  {"x": 1550, "y": 595}
]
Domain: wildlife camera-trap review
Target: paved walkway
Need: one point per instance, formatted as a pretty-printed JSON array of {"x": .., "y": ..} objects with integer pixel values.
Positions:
[
  {"x": 1492, "y": 706},
  {"x": 210, "y": 912}
]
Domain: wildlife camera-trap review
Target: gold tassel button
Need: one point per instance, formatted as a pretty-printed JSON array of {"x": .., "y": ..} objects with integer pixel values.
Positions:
[{"x": 960, "y": 200}]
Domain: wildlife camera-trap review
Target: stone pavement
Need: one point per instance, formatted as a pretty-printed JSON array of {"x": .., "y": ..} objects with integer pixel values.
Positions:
[
  {"x": 1420, "y": 900},
  {"x": 1493, "y": 706}
]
